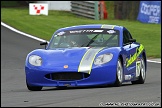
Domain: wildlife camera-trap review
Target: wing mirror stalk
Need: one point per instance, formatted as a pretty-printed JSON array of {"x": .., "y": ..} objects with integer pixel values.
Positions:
[{"x": 44, "y": 43}]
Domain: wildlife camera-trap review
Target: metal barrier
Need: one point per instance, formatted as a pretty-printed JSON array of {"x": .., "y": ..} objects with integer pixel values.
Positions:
[{"x": 87, "y": 9}]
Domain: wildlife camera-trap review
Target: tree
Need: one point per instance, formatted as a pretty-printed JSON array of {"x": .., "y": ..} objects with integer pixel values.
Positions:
[{"x": 126, "y": 9}]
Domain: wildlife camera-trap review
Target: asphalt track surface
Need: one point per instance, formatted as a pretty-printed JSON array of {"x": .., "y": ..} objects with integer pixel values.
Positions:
[{"x": 14, "y": 49}]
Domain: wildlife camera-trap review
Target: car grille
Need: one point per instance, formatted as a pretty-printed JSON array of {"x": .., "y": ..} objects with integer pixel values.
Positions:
[{"x": 67, "y": 76}]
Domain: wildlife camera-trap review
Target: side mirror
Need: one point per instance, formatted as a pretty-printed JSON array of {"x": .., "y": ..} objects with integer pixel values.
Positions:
[
  {"x": 44, "y": 43},
  {"x": 132, "y": 40}
]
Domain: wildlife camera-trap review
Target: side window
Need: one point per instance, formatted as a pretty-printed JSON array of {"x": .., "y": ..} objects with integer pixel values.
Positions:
[{"x": 126, "y": 37}]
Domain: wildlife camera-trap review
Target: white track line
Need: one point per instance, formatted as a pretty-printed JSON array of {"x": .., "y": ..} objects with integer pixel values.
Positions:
[
  {"x": 42, "y": 40},
  {"x": 153, "y": 61},
  {"x": 15, "y": 30}
]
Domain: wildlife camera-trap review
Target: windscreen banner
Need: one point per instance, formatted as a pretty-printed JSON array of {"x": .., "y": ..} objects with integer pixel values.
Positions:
[
  {"x": 38, "y": 9},
  {"x": 150, "y": 12}
]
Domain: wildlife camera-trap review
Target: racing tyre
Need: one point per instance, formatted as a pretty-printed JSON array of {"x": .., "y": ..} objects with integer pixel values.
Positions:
[
  {"x": 34, "y": 88},
  {"x": 142, "y": 76},
  {"x": 119, "y": 74}
]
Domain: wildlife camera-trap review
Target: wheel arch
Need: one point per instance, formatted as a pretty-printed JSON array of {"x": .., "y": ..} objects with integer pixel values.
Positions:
[{"x": 121, "y": 58}]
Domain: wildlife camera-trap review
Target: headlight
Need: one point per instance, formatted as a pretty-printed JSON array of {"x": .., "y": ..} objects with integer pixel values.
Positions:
[
  {"x": 104, "y": 58},
  {"x": 35, "y": 60}
]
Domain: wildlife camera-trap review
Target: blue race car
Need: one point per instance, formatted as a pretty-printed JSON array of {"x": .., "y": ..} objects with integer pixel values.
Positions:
[{"x": 87, "y": 55}]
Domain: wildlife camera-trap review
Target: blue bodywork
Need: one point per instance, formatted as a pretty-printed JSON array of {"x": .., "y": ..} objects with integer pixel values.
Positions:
[{"x": 54, "y": 60}]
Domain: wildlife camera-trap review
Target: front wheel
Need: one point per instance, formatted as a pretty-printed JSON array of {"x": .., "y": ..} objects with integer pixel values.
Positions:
[
  {"x": 34, "y": 88},
  {"x": 142, "y": 75},
  {"x": 119, "y": 74}
]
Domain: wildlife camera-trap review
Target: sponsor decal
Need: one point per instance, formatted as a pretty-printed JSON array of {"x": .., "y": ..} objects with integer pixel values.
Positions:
[
  {"x": 76, "y": 31},
  {"x": 86, "y": 31},
  {"x": 134, "y": 57},
  {"x": 60, "y": 33},
  {"x": 128, "y": 77},
  {"x": 150, "y": 12},
  {"x": 98, "y": 31},
  {"x": 111, "y": 31}
]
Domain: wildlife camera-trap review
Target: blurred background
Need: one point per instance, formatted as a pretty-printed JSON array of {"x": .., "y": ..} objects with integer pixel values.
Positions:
[
  {"x": 108, "y": 9},
  {"x": 141, "y": 18}
]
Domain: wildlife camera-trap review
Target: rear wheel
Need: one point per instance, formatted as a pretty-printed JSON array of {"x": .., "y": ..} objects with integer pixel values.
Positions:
[
  {"x": 119, "y": 74},
  {"x": 142, "y": 76},
  {"x": 34, "y": 88}
]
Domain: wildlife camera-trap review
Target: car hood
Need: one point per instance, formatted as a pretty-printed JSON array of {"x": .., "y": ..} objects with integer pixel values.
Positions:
[{"x": 61, "y": 58}]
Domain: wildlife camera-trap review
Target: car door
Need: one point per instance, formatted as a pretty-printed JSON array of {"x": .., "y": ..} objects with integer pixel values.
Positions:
[{"x": 130, "y": 50}]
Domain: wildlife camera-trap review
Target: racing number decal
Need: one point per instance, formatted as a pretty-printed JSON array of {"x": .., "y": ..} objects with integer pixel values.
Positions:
[
  {"x": 138, "y": 68},
  {"x": 87, "y": 60}
]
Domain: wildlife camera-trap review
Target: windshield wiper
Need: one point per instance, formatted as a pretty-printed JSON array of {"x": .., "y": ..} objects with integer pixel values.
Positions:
[{"x": 91, "y": 41}]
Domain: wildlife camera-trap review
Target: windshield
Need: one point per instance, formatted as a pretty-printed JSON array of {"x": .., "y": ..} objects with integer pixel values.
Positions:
[{"x": 85, "y": 38}]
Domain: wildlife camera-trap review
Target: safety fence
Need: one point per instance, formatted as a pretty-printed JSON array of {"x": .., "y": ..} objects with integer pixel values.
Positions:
[{"x": 89, "y": 9}]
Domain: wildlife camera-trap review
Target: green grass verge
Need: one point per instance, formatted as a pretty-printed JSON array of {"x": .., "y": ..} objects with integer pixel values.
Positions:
[{"x": 44, "y": 26}]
